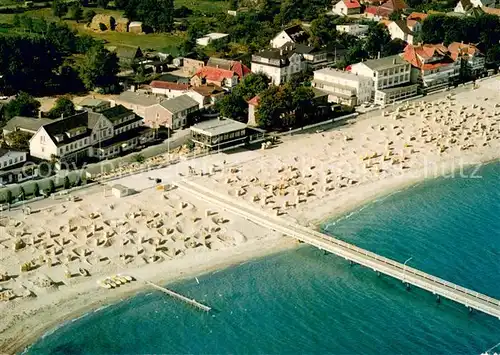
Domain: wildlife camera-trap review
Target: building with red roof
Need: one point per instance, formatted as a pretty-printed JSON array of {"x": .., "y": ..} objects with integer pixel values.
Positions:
[
  {"x": 469, "y": 55},
  {"x": 432, "y": 65},
  {"x": 385, "y": 10},
  {"x": 236, "y": 66},
  {"x": 221, "y": 77},
  {"x": 167, "y": 88},
  {"x": 347, "y": 7}
]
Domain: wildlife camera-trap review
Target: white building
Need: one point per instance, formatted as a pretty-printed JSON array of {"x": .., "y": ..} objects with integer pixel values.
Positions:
[
  {"x": 343, "y": 87},
  {"x": 168, "y": 89},
  {"x": 212, "y": 38},
  {"x": 473, "y": 60},
  {"x": 400, "y": 29},
  {"x": 14, "y": 167},
  {"x": 101, "y": 134},
  {"x": 387, "y": 73},
  {"x": 353, "y": 29},
  {"x": 347, "y": 7},
  {"x": 278, "y": 64},
  {"x": 464, "y": 5},
  {"x": 295, "y": 34}
]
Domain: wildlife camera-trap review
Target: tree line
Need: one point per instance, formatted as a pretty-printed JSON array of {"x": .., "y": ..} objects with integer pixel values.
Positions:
[{"x": 44, "y": 58}]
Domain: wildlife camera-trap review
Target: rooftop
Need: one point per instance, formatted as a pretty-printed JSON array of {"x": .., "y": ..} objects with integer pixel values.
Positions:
[
  {"x": 116, "y": 112},
  {"x": 25, "y": 123},
  {"x": 218, "y": 126},
  {"x": 137, "y": 98},
  {"x": 385, "y": 62},
  {"x": 179, "y": 104},
  {"x": 92, "y": 102},
  {"x": 347, "y": 75},
  {"x": 297, "y": 33},
  {"x": 214, "y": 74},
  {"x": 351, "y": 4},
  {"x": 158, "y": 84}
]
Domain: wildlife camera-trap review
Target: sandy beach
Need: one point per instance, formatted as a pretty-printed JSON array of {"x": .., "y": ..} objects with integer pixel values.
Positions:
[{"x": 164, "y": 234}]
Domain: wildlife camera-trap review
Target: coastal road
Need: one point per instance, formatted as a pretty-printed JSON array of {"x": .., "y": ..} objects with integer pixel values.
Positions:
[{"x": 408, "y": 275}]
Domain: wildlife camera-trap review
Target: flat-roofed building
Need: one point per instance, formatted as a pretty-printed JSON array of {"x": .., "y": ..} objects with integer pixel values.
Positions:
[
  {"x": 343, "y": 87},
  {"x": 219, "y": 133}
]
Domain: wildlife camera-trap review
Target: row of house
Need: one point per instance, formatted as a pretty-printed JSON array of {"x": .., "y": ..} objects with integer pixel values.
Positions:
[{"x": 420, "y": 68}]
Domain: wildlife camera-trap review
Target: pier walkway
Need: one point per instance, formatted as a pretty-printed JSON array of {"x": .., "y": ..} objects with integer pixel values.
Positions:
[
  {"x": 408, "y": 275},
  {"x": 173, "y": 294}
]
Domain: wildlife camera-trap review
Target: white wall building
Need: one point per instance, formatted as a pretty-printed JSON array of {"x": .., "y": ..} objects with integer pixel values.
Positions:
[
  {"x": 212, "y": 38},
  {"x": 464, "y": 5},
  {"x": 353, "y": 29},
  {"x": 343, "y": 87},
  {"x": 295, "y": 34},
  {"x": 278, "y": 64},
  {"x": 346, "y": 7},
  {"x": 387, "y": 73}
]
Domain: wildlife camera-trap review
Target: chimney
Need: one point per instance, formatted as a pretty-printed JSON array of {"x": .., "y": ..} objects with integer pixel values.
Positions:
[{"x": 39, "y": 114}]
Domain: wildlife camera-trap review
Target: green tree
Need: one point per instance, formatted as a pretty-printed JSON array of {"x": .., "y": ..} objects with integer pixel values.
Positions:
[
  {"x": 84, "y": 43},
  {"x": 66, "y": 183},
  {"x": 22, "y": 105},
  {"x": 103, "y": 3},
  {"x": 233, "y": 4},
  {"x": 59, "y": 8},
  {"x": 493, "y": 54},
  {"x": 18, "y": 140},
  {"x": 75, "y": 11},
  {"x": 377, "y": 39},
  {"x": 324, "y": 29},
  {"x": 63, "y": 107},
  {"x": 88, "y": 15},
  {"x": 396, "y": 15},
  {"x": 99, "y": 68}
]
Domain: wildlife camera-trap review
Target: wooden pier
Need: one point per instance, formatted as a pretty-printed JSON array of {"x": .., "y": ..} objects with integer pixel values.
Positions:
[
  {"x": 408, "y": 275},
  {"x": 173, "y": 294}
]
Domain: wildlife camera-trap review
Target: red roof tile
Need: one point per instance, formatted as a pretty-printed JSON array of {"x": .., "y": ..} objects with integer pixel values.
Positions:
[
  {"x": 240, "y": 69},
  {"x": 214, "y": 74},
  {"x": 254, "y": 101},
  {"x": 157, "y": 84},
  {"x": 416, "y": 55},
  {"x": 352, "y": 4},
  {"x": 417, "y": 16},
  {"x": 460, "y": 49}
]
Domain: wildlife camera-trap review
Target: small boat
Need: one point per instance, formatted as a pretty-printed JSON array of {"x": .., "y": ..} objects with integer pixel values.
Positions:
[
  {"x": 83, "y": 272},
  {"x": 121, "y": 278},
  {"x": 127, "y": 277},
  {"x": 103, "y": 284},
  {"x": 117, "y": 280},
  {"x": 111, "y": 282}
]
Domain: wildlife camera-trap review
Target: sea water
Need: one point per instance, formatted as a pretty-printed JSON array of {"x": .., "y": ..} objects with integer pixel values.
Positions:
[{"x": 306, "y": 301}]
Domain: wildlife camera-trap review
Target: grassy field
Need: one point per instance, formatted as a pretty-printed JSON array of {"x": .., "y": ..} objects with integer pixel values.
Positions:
[{"x": 168, "y": 42}]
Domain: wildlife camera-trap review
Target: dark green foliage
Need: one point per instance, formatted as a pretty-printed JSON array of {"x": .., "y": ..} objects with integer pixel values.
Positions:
[
  {"x": 234, "y": 105},
  {"x": 36, "y": 190},
  {"x": 59, "y": 8},
  {"x": 52, "y": 186},
  {"x": 156, "y": 14},
  {"x": 182, "y": 12},
  {"x": 75, "y": 11},
  {"x": 324, "y": 30},
  {"x": 103, "y": 3},
  {"x": 8, "y": 196},
  {"x": 22, "y": 105},
  {"x": 27, "y": 63},
  {"x": 282, "y": 106},
  {"x": 139, "y": 158},
  {"x": 18, "y": 140},
  {"x": 63, "y": 107},
  {"x": 88, "y": 15},
  {"x": 66, "y": 183},
  {"x": 99, "y": 68}
]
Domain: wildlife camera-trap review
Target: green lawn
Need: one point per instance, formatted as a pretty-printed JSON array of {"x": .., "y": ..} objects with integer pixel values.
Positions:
[{"x": 168, "y": 42}]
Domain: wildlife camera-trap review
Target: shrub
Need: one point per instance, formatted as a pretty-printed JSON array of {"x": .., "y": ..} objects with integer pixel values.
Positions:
[
  {"x": 66, "y": 184},
  {"x": 139, "y": 158}
]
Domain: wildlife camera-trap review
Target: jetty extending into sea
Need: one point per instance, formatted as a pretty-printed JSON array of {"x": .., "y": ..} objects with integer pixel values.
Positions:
[
  {"x": 180, "y": 297},
  {"x": 408, "y": 275}
]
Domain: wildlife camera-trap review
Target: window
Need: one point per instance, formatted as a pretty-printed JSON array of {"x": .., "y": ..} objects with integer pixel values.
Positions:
[
  {"x": 66, "y": 148},
  {"x": 94, "y": 136},
  {"x": 10, "y": 161},
  {"x": 109, "y": 131},
  {"x": 81, "y": 143},
  {"x": 5, "y": 163},
  {"x": 15, "y": 160},
  {"x": 42, "y": 139},
  {"x": 85, "y": 141}
]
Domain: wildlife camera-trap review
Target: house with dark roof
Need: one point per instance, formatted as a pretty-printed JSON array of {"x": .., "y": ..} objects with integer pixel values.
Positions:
[
  {"x": 279, "y": 64},
  {"x": 24, "y": 124},
  {"x": 102, "y": 134},
  {"x": 206, "y": 95},
  {"x": 294, "y": 34},
  {"x": 127, "y": 55},
  {"x": 14, "y": 166},
  {"x": 173, "y": 113}
]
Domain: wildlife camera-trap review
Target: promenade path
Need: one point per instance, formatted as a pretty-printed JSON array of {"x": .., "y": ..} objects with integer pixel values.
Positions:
[{"x": 408, "y": 275}]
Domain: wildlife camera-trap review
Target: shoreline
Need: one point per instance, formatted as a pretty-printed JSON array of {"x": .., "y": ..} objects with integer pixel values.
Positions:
[
  {"x": 250, "y": 252},
  {"x": 330, "y": 161}
]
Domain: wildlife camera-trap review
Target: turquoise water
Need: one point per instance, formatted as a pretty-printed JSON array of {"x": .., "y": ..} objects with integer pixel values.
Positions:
[{"x": 304, "y": 301}]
